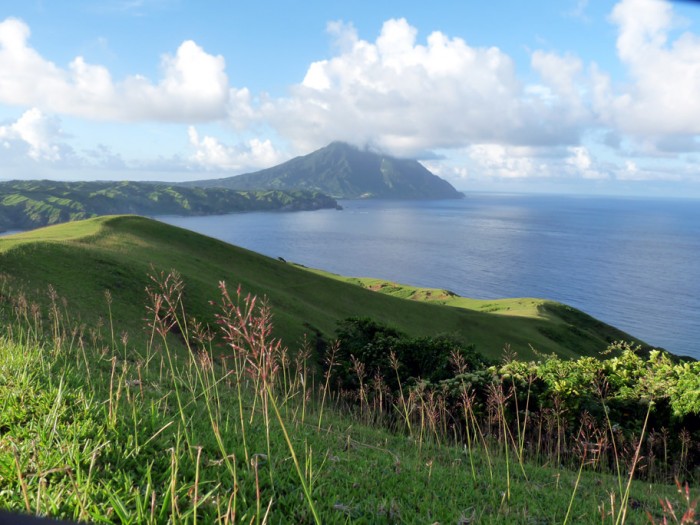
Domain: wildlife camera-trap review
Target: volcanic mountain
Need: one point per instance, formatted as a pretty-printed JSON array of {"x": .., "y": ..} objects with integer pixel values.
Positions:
[{"x": 345, "y": 172}]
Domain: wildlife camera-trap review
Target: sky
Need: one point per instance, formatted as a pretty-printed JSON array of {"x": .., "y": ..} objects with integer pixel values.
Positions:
[{"x": 561, "y": 96}]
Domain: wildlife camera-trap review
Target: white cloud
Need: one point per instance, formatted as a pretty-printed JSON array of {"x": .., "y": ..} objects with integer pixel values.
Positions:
[
  {"x": 630, "y": 171},
  {"x": 401, "y": 93},
  {"x": 193, "y": 86},
  {"x": 526, "y": 162},
  {"x": 562, "y": 75},
  {"x": 662, "y": 95},
  {"x": 582, "y": 163},
  {"x": 212, "y": 154},
  {"x": 497, "y": 160},
  {"x": 34, "y": 133},
  {"x": 456, "y": 174},
  {"x": 407, "y": 97}
]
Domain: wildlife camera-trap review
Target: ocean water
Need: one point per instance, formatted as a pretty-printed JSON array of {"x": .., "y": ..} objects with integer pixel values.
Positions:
[{"x": 633, "y": 263}]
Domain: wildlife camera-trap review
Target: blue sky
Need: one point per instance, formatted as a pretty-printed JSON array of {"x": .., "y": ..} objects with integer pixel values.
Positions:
[{"x": 589, "y": 97}]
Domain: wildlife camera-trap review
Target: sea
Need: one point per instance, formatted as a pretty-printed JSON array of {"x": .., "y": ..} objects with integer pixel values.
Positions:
[{"x": 631, "y": 262}]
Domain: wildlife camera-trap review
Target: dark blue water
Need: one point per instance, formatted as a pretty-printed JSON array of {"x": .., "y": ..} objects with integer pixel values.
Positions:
[{"x": 633, "y": 263}]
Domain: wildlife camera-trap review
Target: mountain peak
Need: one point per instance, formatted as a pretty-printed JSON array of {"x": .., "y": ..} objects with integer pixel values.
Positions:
[
  {"x": 345, "y": 171},
  {"x": 339, "y": 144}
]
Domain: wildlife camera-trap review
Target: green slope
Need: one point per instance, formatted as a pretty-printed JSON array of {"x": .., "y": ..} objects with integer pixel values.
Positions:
[
  {"x": 83, "y": 259},
  {"x": 35, "y": 203},
  {"x": 345, "y": 172}
]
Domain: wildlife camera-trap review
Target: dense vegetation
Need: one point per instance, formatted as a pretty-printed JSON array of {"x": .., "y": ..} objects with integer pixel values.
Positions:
[
  {"x": 29, "y": 204},
  {"x": 346, "y": 172},
  {"x": 548, "y": 407}
]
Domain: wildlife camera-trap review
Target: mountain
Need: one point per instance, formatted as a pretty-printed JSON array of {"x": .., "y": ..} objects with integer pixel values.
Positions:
[
  {"x": 31, "y": 204},
  {"x": 345, "y": 172},
  {"x": 82, "y": 259}
]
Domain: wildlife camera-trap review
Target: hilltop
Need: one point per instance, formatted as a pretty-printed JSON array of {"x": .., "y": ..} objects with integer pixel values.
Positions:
[
  {"x": 345, "y": 172},
  {"x": 82, "y": 260},
  {"x": 31, "y": 204}
]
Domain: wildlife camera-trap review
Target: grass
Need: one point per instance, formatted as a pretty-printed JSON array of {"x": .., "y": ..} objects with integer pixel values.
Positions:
[
  {"x": 519, "y": 307},
  {"x": 64, "y": 232},
  {"x": 103, "y": 430},
  {"x": 116, "y": 253}
]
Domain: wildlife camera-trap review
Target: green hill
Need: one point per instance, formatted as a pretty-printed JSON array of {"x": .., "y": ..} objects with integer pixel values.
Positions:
[
  {"x": 97, "y": 427},
  {"x": 345, "y": 172},
  {"x": 82, "y": 260},
  {"x": 31, "y": 204}
]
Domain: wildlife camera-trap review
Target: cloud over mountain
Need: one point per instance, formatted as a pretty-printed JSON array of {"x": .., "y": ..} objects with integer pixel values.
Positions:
[
  {"x": 407, "y": 97},
  {"x": 467, "y": 108}
]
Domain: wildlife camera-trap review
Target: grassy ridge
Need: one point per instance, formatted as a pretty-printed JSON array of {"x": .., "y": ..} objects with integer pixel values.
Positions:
[
  {"x": 567, "y": 320},
  {"x": 82, "y": 260},
  {"x": 521, "y": 307},
  {"x": 31, "y": 204}
]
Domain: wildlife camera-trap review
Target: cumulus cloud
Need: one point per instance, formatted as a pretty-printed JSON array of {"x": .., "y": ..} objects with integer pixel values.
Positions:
[
  {"x": 407, "y": 97},
  {"x": 33, "y": 133},
  {"x": 411, "y": 97},
  {"x": 454, "y": 174},
  {"x": 497, "y": 160},
  {"x": 582, "y": 163},
  {"x": 526, "y": 162},
  {"x": 563, "y": 79},
  {"x": 210, "y": 153},
  {"x": 661, "y": 97},
  {"x": 400, "y": 93},
  {"x": 193, "y": 87}
]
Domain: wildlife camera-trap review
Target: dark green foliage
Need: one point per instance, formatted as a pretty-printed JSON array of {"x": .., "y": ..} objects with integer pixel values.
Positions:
[
  {"x": 430, "y": 357},
  {"x": 419, "y": 358},
  {"x": 590, "y": 396},
  {"x": 586, "y": 399},
  {"x": 30, "y": 204},
  {"x": 345, "y": 172}
]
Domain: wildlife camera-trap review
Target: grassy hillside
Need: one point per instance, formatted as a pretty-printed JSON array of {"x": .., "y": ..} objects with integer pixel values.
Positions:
[
  {"x": 101, "y": 424},
  {"x": 84, "y": 259},
  {"x": 147, "y": 435},
  {"x": 30, "y": 204},
  {"x": 519, "y": 307}
]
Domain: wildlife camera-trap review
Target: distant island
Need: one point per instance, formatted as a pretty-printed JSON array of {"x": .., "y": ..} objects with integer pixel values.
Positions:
[
  {"x": 30, "y": 204},
  {"x": 344, "y": 172},
  {"x": 309, "y": 182}
]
